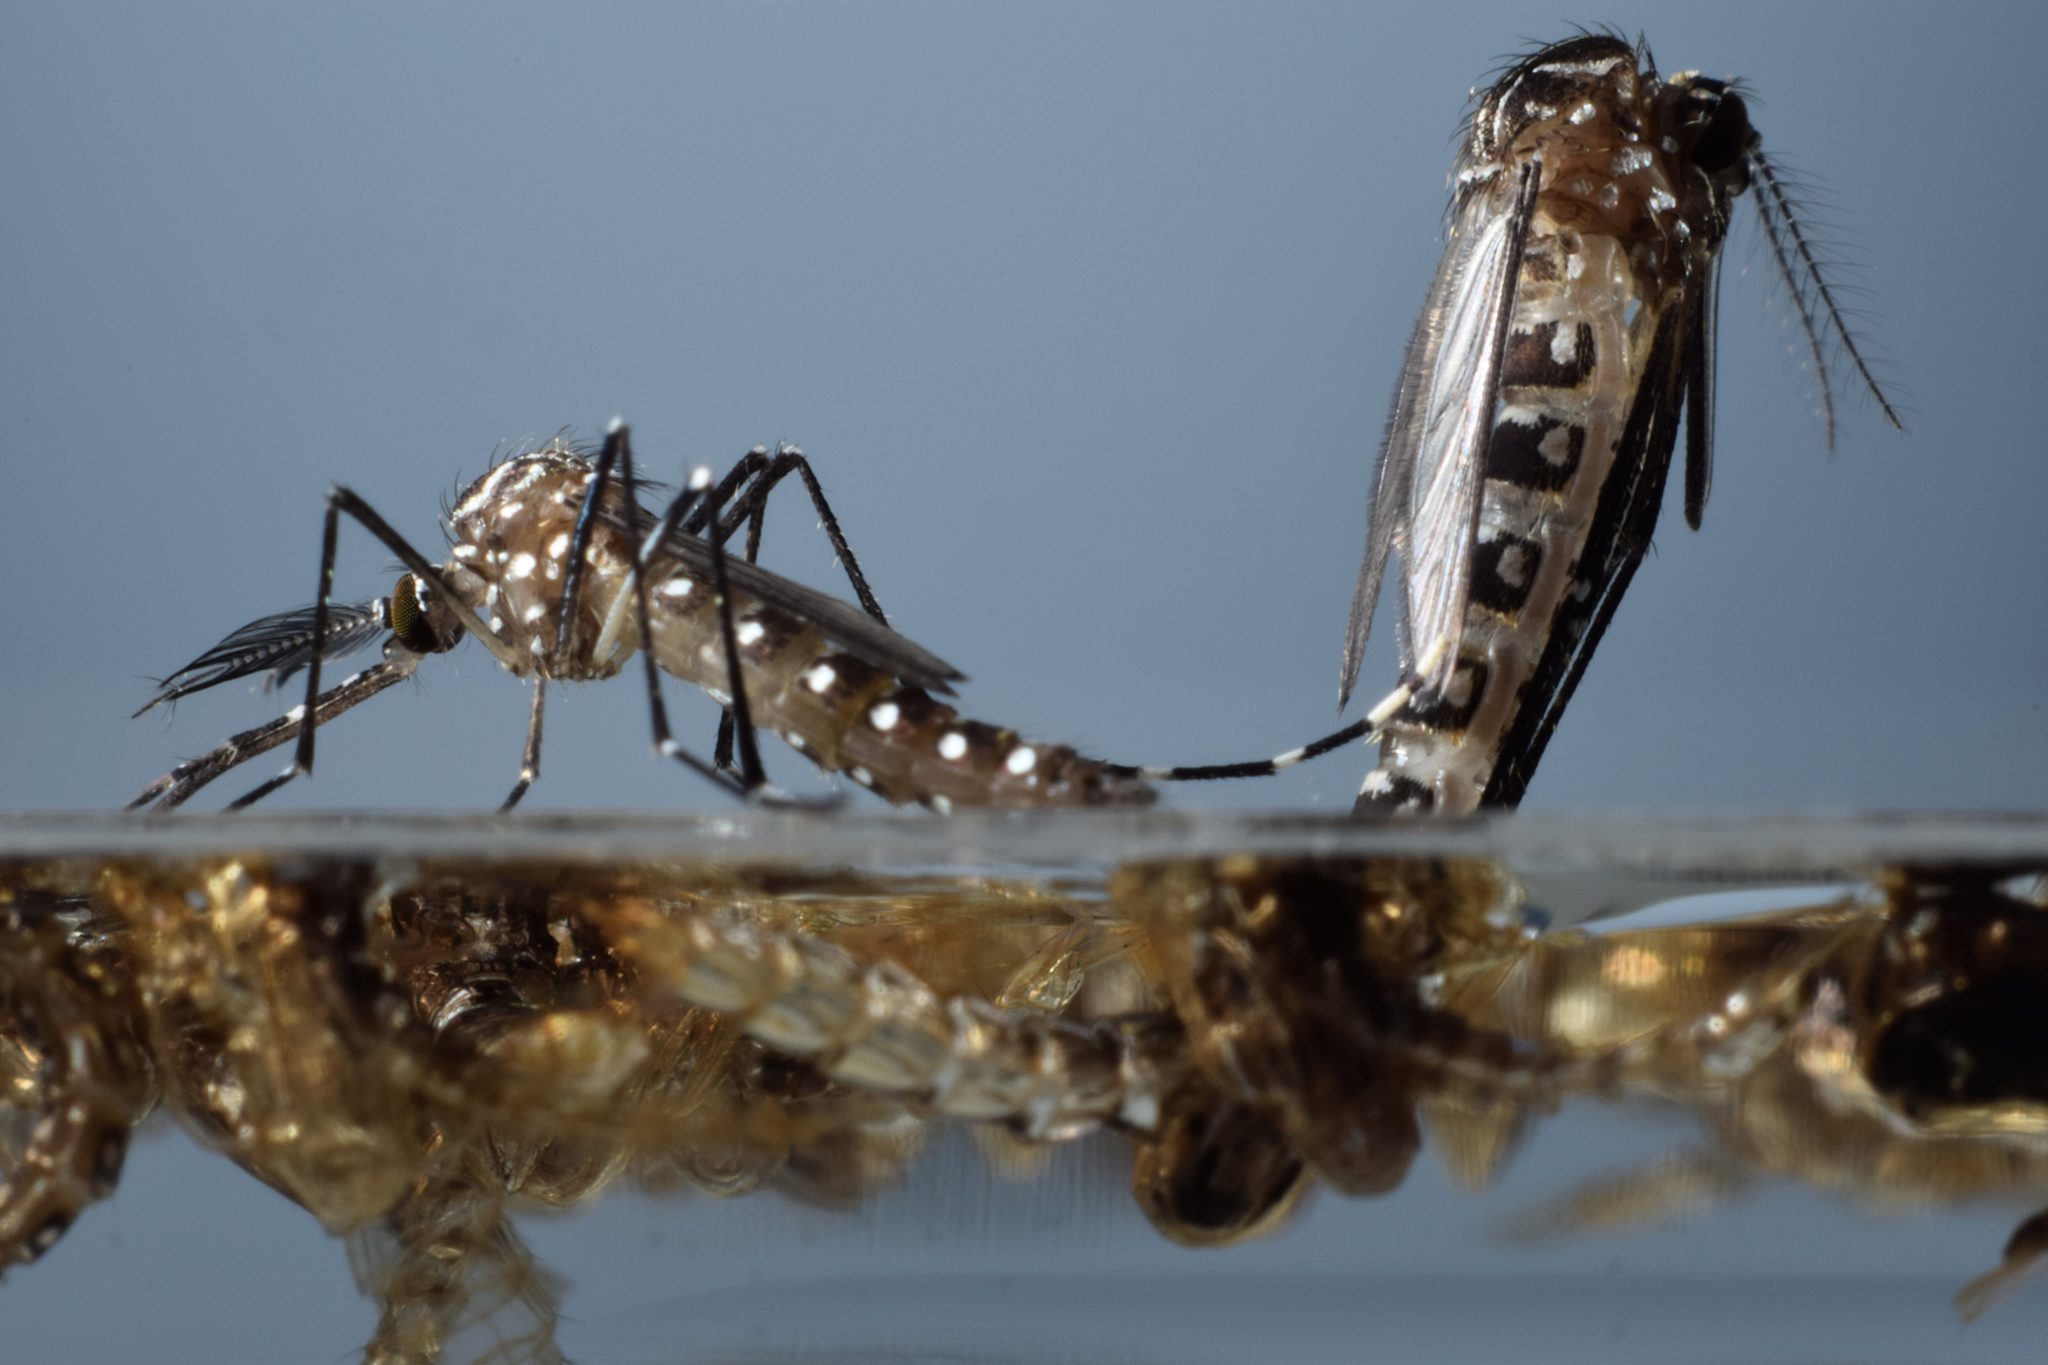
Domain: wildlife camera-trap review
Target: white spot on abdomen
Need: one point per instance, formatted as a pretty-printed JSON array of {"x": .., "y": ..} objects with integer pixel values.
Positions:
[
  {"x": 1514, "y": 566},
  {"x": 1556, "y": 445}
]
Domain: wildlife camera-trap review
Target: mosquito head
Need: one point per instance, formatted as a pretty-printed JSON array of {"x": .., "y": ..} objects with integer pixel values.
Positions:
[
  {"x": 1709, "y": 121},
  {"x": 420, "y": 620}
]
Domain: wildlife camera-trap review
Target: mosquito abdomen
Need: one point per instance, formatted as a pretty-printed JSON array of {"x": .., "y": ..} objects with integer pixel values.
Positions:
[
  {"x": 1567, "y": 381},
  {"x": 1612, "y": 293},
  {"x": 848, "y": 716}
]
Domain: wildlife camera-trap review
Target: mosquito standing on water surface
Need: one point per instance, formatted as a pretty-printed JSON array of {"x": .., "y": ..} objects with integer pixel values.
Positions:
[
  {"x": 1570, "y": 325},
  {"x": 1571, "y": 321},
  {"x": 558, "y": 569}
]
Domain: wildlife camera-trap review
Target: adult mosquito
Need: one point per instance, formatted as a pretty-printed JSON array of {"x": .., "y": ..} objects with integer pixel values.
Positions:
[
  {"x": 557, "y": 568},
  {"x": 1570, "y": 323}
]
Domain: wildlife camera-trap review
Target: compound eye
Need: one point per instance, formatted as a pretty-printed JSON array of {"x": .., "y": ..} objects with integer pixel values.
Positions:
[
  {"x": 1725, "y": 137},
  {"x": 409, "y": 616}
]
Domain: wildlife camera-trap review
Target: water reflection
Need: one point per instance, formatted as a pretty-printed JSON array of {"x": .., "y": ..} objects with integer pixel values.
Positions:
[{"x": 412, "y": 1047}]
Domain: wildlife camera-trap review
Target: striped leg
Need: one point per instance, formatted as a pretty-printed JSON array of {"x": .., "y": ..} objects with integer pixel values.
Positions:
[
  {"x": 1374, "y": 720},
  {"x": 744, "y": 492}
]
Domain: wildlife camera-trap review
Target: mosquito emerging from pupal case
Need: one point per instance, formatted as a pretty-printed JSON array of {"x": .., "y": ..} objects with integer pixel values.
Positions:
[
  {"x": 1571, "y": 321},
  {"x": 555, "y": 528}
]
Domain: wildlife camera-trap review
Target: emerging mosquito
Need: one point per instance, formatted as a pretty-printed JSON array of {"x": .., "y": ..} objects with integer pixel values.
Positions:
[
  {"x": 562, "y": 574},
  {"x": 1570, "y": 322}
]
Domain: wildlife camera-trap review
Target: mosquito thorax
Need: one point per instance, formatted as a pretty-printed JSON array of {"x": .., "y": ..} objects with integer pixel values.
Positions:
[
  {"x": 1648, "y": 162},
  {"x": 509, "y": 535}
]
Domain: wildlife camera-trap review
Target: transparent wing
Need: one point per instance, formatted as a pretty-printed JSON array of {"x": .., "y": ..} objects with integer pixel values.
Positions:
[
  {"x": 1432, "y": 464},
  {"x": 1397, "y": 459},
  {"x": 280, "y": 645}
]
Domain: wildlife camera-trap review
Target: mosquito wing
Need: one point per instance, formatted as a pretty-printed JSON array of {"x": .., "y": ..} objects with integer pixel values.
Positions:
[
  {"x": 280, "y": 645},
  {"x": 844, "y": 624},
  {"x": 1432, "y": 464}
]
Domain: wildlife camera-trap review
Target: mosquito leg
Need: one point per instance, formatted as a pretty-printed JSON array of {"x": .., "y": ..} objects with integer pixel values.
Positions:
[
  {"x": 618, "y": 451},
  {"x": 178, "y": 785},
  {"x": 1257, "y": 767},
  {"x": 330, "y": 531},
  {"x": 721, "y": 748},
  {"x": 752, "y": 465},
  {"x": 302, "y": 756},
  {"x": 1382, "y": 712},
  {"x": 703, "y": 506},
  {"x": 529, "y": 766},
  {"x": 751, "y": 777},
  {"x": 766, "y": 472},
  {"x": 751, "y": 780},
  {"x": 579, "y": 541},
  {"x": 340, "y": 500},
  {"x": 759, "y": 473},
  {"x": 751, "y": 772}
]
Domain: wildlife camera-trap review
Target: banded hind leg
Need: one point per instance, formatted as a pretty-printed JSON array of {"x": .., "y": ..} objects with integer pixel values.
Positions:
[
  {"x": 744, "y": 493},
  {"x": 616, "y": 460},
  {"x": 1374, "y": 721}
]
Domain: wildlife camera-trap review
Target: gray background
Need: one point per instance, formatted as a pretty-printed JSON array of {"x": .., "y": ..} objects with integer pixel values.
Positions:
[{"x": 1089, "y": 316}]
